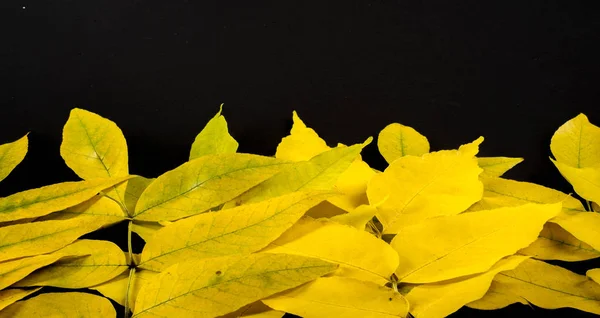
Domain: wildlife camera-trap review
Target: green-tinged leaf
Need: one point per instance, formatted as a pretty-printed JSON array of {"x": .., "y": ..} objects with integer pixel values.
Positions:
[
  {"x": 15, "y": 270},
  {"x": 577, "y": 143},
  {"x": 201, "y": 184},
  {"x": 497, "y": 166},
  {"x": 240, "y": 230},
  {"x": 453, "y": 246},
  {"x": 93, "y": 146},
  {"x": 80, "y": 305},
  {"x": 543, "y": 285},
  {"x": 340, "y": 297},
  {"x": 10, "y": 296},
  {"x": 133, "y": 190},
  {"x": 48, "y": 199},
  {"x": 585, "y": 181},
  {"x": 359, "y": 254},
  {"x": 320, "y": 173},
  {"x": 255, "y": 310},
  {"x": 116, "y": 289},
  {"x": 35, "y": 238},
  {"x": 396, "y": 140},
  {"x": 146, "y": 229},
  {"x": 11, "y": 154},
  {"x": 213, "y": 287},
  {"x": 585, "y": 226},
  {"x": 357, "y": 218},
  {"x": 214, "y": 138},
  {"x": 302, "y": 144},
  {"x": 105, "y": 261},
  {"x": 554, "y": 243},
  {"x": 413, "y": 189},
  {"x": 442, "y": 299}
]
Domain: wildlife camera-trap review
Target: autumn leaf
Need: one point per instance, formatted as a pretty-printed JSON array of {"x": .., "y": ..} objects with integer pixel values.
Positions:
[
  {"x": 453, "y": 246},
  {"x": 214, "y": 138},
  {"x": 397, "y": 140},
  {"x": 80, "y": 305},
  {"x": 11, "y": 154},
  {"x": 442, "y": 299},
  {"x": 585, "y": 181},
  {"x": 414, "y": 189},
  {"x": 496, "y": 166},
  {"x": 555, "y": 243},
  {"x": 240, "y": 230},
  {"x": 302, "y": 144},
  {"x": 255, "y": 310},
  {"x": 14, "y": 270},
  {"x": 10, "y": 296},
  {"x": 145, "y": 229},
  {"x": 201, "y": 184},
  {"x": 359, "y": 254},
  {"x": 340, "y": 297},
  {"x": 357, "y": 218},
  {"x": 116, "y": 289},
  {"x": 216, "y": 286},
  {"x": 577, "y": 143}
]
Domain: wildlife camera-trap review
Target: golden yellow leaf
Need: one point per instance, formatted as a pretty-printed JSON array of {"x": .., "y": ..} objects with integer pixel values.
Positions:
[
  {"x": 359, "y": 254},
  {"x": 105, "y": 261},
  {"x": 116, "y": 289},
  {"x": 554, "y": 243},
  {"x": 255, "y": 310},
  {"x": 594, "y": 274},
  {"x": 35, "y": 238},
  {"x": 585, "y": 226},
  {"x": 442, "y": 299},
  {"x": 453, "y": 246},
  {"x": 577, "y": 143},
  {"x": 595, "y": 207},
  {"x": 324, "y": 209},
  {"x": 133, "y": 190},
  {"x": 585, "y": 181},
  {"x": 48, "y": 199},
  {"x": 396, "y": 140},
  {"x": 302, "y": 144},
  {"x": 352, "y": 184},
  {"x": 543, "y": 285},
  {"x": 14, "y": 270},
  {"x": 10, "y": 296},
  {"x": 79, "y": 305},
  {"x": 418, "y": 188},
  {"x": 240, "y": 230},
  {"x": 497, "y": 166},
  {"x": 214, "y": 138},
  {"x": 216, "y": 286},
  {"x": 357, "y": 218},
  {"x": 201, "y": 184},
  {"x": 145, "y": 229},
  {"x": 319, "y": 173},
  {"x": 11, "y": 154},
  {"x": 340, "y": 297},
  {"x": 99, "y": 209}
]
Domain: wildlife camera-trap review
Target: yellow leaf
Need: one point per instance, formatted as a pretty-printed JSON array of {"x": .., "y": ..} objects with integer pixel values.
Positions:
[
  {"x": 545, "y": 286},
  {"x": 133, "y": 190},
  {"x": 319, "y": 173},
  {"x": 594, "y": 274},
  {"x": 357, "y": 218},
  {"x": 302, "y": 144},
  {"x": 79, "y": 305},
  {"x": 418, "y": 188},
  {"x": 35, "y": 238},
  {"x": 10, "y": 296},
  {"x": 145, "y": 229},
  {"x": 324, "y": 209},
  {"x": 554, "y": 243},
  {"x": 340, "y": 297},
  {"x": 497, "y": 297},
  {"x": 442, "y": 299},
  {"x": 11, "y": 154},
  {"x": 116, "y": 289},
  {"x": 14, "y": 270},
  {"x": 577, "y": 143},
  {"x": 100, "y": 208},
  {"x": 93, "y": 146},
  {"x": 352, "y": 183},
  {"x": 360, "y": 254},
  {"x": 48, "y": 199},
  {"x": 214, "y": 138},
  {"x": 585, "y": 181},
  {"x": 255, "y": 310},
  {"x": 583, "y": 225},
  {"x": 240, "y": 230},
  {"x": 105, "y": 261},
  {"x": 397, "y": 140},
  {"x": 497, "y": 166},
  {"x": 203, "y": 183},
  {"x": 454, "y": 246},
  {"x": 595, "y": 207},
  {"x": 216, "y": 286}
]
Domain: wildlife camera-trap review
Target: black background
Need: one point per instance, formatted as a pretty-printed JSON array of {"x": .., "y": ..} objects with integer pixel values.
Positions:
[{"x": 512, "y": 71}]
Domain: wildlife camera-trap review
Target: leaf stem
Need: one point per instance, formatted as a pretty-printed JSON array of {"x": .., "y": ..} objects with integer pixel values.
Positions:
[
  {"x": 131, "y": 274},
  {"x": 129, "y": 247},
  {"x": 589, "y": 206}
]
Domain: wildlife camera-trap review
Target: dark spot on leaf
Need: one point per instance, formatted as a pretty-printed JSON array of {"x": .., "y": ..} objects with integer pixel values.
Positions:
[
  {"x": 218, "y": 273},
  {"x": 390, "y": 299}
]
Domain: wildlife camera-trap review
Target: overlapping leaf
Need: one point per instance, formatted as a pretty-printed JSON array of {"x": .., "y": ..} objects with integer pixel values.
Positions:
[
  {"x": 555, "y": 243},
  {"x": 497, "y": 166},
  {"x": 79, "y": 305},
  {"x": 10, "y": 296},
  {"x": 397, "y": 140},
  {"x": 214, "y": 138}
]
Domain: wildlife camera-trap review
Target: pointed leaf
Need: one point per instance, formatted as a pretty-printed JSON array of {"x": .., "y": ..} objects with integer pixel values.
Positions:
[
  {"x": 497, "y": 297},
  {"x": 360, "y": 254},
  {"x": 594, "y": 274},
  {"x": 48, "y": 199},
  {"x": 497, "y": 166},
  {"x": 302, "y": 144},
  {"x": 11, "y": 154},
  {"x": 255, "y": 310},
  {"x": 585, "y": 226},
  {"x": 442, "y": 299},
  {"x": 397, "y": 140},
  {"x": 10, "y": 296},
  {"x": 214, "y": 138},
  {"x": 15, "y": 270},
  {"x": 554, "y": 243},
  {"x": 79, "y": 305},
  {"x": 241, "y": 230},
  {"x": 213, "y": 287},
  {"x": 340, "y": 297},
  {"x": 357, "y": 218},
  {"x": 577, "y": 143},
  {"x": 201, "y": 184},
  {"x": 454, "y": 246},
  {"x": 417, "y": 188},
  {"x": 585, "y": 181}
]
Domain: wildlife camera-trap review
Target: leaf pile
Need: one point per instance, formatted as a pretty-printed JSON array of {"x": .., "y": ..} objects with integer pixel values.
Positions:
[{"x": 312, "y": 231}]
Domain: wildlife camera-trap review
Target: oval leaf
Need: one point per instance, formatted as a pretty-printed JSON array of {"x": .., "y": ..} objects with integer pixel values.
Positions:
[
  {"x": 577, "y": 143},
  {"x": 396, "y": 140},
  {"x": 585, "y": 181},
  {"x": 10, "y": 296}
]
